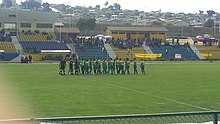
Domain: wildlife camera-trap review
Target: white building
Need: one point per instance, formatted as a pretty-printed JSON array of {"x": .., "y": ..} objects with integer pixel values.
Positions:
[
  {"x": 13, "y": 2},
  {"x": 39, "y": 1}
]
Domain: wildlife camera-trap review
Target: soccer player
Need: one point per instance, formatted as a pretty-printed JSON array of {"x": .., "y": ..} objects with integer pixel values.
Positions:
[
  {"x": 113, "y": 66},
  {"x": 99, "y": 66},
  {"x": 70, "y": 67},
  {"x": 86, "y": 64},
  {"x": 90, "y": 66},
  {"x": 142, "y": 67},
  {"x": 135, "y": 66},
  {"x": 109, "y": 65},
  {"x": 62, "y": 66},
  {"x": 82, "y": 65},
  {"x": 95, "y": 64},
  {"x": 117, "y": 66},
  {"x": 77, "y": 64},
  {"x": 121, "y": 66},
  {"x": 127, "y": 66},
  {"x": 104, "y": 66}
]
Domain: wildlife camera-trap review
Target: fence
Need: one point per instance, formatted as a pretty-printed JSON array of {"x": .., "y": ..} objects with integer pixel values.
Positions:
[{"x": 209, "y": 117}]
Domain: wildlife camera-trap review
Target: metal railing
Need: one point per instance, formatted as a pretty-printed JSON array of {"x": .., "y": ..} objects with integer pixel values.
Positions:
[{"x": 208, "y": 117}]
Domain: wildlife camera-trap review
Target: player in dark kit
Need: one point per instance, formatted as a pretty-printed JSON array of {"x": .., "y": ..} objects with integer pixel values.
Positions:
[
  {"x": 70, "y": 67},
  {"x": 77, "y": 63},
  {"x": 62, "y": 67},
  {"x": 121, "y": 66},
  {"x": 117, "y": 66},
  {"x": 90, "y": 66},
  {"x": 142, "y": 67},
  {"x": 113, "y": 66}
]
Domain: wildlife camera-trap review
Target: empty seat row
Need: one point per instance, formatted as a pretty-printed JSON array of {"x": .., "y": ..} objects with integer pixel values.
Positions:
[
  {"x": 37, "y": 46},
  {"x": 37, "y": 37},
  {"x": 7, "y": 46}
]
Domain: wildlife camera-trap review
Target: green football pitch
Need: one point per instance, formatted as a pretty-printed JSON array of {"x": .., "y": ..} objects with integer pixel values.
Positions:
[{"x": 165, "y": 88}]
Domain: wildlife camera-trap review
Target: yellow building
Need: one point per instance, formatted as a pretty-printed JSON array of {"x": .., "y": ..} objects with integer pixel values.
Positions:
[
  {"x": 15, "y": 20},
  {"x": 137, "y": 32}
]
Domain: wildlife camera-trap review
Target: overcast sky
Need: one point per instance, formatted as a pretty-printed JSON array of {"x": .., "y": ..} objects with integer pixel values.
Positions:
[{"x": 187, "y": 6}]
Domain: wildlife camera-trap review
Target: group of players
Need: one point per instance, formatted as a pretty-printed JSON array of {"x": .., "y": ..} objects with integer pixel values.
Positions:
[{"x": 98, "y": 66}]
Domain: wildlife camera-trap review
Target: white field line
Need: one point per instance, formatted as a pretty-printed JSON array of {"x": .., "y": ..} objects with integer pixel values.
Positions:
[{"x": 156, "y": 96}]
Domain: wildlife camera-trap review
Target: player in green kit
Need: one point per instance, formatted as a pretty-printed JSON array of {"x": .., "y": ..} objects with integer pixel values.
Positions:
[
  {"x": 135, "y": 66},
  {"x": 99, "y": 66},
  {"x": 86, "y": 64},
  {"x": 95, "y": 64},
  {"x": 82, "y": 64},
  {"x": 109, "y": 65},
  {"x": 77, "y": 68},
  {"x": 121, "y": 66},
  {"x": 113, "y": 62},
  {"x": 104, "y": 66},
  {"x": 127, "y": 66},
  {"x": 90, "y": 66}
]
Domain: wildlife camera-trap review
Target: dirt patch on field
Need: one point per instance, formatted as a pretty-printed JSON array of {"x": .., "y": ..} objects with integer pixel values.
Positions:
[{"x": 11, "y": 104}]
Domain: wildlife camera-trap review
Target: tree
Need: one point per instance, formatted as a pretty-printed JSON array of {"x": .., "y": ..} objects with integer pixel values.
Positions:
[
  {"x": 97, "y": 7},
  {"x": 86, "y": 24},
  {"x": 31, "y": 4},
  {"x": 209, "y": 23},
  {"x": 110, "y": 7},
  {"x": 117, "y": 6},
  {"x": 7, "y": 3},
  {"x": 46, "y": 7},
  {"x": 210, "y": 12},
  {"x": 156, "y": 23}
]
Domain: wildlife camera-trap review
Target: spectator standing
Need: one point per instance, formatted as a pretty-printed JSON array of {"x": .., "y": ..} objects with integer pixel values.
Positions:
[{"x": 30, "y": 58}]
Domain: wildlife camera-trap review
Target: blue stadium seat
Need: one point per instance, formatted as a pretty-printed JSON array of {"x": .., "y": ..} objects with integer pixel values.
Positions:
[
  {"x": 185, "y": 51},
  {"x": 91, "y": 52},
  {"x": 27, "y": 45},
  {"x": 7, "y": 56}
]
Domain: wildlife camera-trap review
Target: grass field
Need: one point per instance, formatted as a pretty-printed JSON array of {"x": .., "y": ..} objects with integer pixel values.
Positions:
[{"x": 179, "y": 87}]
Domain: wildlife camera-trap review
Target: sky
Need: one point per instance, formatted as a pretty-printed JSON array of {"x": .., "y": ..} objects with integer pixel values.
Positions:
[{"x": 187, "y": 6}]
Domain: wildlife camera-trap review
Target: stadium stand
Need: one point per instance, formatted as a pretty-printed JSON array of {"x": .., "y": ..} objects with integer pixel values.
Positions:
[
  {"x": 127, "y": 53},
  {"x": 7, "y": 46},
  {"x": 212, "y": 52},
  {"x": 87, "y": 48},
  {"x": 5, "y": 37},
  {"x": 36, "y": 36},
  {"x": 169, "y": 51},
  {"x": 7, "y": 56},
  {"x": 92, "y": 52},
  {"x": 36, "y": 47}
]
